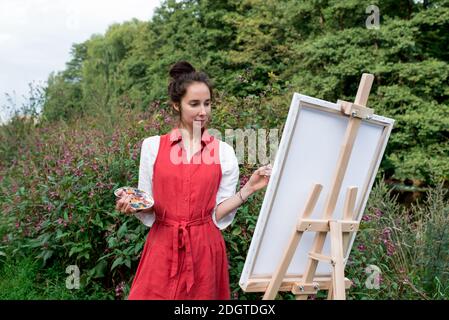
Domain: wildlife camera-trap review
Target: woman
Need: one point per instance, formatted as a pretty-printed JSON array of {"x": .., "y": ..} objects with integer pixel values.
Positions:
[{"x": 192, "y": 178}]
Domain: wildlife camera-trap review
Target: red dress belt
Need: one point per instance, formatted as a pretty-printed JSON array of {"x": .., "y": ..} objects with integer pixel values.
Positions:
[{"x": 181, "y": 239}]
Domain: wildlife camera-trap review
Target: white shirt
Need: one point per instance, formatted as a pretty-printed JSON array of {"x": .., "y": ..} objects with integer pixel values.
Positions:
[{"x": 230, "y": 177}]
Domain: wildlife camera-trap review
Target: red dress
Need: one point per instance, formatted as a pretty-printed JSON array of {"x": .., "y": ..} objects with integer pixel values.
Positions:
[{"x": 184, "y": 256}]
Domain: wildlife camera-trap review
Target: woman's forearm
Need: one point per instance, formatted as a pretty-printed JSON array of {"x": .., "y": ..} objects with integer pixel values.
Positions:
[
  {"x": 224, "y": 208},
  {"x": 227, "y": 206}
]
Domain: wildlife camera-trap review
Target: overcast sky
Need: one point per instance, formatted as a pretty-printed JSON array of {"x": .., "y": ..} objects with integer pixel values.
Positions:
[{"x": 36, "y": 36}]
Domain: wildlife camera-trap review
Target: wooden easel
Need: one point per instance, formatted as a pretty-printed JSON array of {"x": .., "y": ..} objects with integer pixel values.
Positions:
[{"x": 339, "y": 230}]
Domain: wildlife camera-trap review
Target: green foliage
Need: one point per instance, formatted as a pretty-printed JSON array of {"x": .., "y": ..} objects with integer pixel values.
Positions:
[
  {"x": 22, "y": 279},
  {"x": 59, "y": 207},
  {"x": 409, "y": 245},
  {"x": 318, "y": 48}
]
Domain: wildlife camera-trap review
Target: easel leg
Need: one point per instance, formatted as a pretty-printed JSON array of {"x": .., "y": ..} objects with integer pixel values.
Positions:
[
  {"x": 338, "y": 274},
  {"x": 329, "y": 293}
]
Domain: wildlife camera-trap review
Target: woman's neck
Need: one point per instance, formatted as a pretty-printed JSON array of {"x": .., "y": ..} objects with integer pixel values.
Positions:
[{"x": 188, "y": 134}]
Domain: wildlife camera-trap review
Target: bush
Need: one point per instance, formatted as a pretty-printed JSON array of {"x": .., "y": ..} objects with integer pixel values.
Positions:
[{"x": 408, "y": 246}]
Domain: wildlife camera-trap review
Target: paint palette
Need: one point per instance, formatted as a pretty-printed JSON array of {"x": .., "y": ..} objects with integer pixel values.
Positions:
[{"x": 139, "y": 198}]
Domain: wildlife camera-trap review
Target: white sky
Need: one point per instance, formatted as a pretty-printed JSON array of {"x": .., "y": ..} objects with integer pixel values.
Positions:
[{"x": 36, "y": 36}]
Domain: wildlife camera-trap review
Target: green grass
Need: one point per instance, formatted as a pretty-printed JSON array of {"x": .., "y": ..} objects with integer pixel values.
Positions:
[{"x": 22, "y": 279}]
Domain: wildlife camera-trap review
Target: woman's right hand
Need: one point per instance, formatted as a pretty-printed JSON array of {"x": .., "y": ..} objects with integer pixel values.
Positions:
[{"x": 123, "y": 203}]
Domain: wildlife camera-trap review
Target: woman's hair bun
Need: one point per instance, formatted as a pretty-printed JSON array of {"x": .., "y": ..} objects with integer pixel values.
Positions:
[
  {"x": 183, "y": 74},
  {"x": 180, "y": 68}
]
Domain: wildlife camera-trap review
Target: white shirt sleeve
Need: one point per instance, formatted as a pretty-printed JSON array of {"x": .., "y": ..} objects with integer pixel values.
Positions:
[
  {"x": 148, "y": 153},
  {"x": 230, "y": 176}
]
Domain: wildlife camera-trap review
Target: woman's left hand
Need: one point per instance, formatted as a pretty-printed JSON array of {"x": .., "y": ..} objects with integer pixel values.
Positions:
[{"x": 260, "y": 178}]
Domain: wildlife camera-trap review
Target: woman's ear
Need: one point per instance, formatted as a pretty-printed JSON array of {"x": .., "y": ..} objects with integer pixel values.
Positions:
[{"x": 176, "y": 106}]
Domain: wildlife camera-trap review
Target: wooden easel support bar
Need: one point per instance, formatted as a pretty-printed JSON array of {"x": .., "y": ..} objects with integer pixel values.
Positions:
[
  {"x": 320, "y": 257},
  {"x": 318, "y": 225},
  {"x": 261, "y": 285},
  {"x": 355, "y": 110},
  {"x": 305, "y": 288},
  {"x": 300, "y": 288}
]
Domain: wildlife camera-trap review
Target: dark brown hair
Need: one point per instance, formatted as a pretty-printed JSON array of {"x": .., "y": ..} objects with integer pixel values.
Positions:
[{"x": 183, "y": 74}]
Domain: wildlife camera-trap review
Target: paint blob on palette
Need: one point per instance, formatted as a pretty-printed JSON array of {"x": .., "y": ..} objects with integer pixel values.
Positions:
[{"x": 139, "y": 198}]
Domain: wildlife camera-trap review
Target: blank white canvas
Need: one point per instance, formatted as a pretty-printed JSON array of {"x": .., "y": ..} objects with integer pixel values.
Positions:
[{"x": 313, "y": 135}]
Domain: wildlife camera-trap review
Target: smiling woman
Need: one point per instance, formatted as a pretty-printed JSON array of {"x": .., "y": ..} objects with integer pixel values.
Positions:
[{"x": 185, "y": 254}]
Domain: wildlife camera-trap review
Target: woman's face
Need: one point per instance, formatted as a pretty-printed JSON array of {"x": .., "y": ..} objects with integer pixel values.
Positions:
[{"x": 196, "y": 105}]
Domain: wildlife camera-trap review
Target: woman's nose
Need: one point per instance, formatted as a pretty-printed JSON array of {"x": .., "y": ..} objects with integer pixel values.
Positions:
[{"x": 203, "y": 110}]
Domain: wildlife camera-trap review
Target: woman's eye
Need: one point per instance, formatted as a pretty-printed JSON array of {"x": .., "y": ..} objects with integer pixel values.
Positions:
[{"x": 196, "y": 104}]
